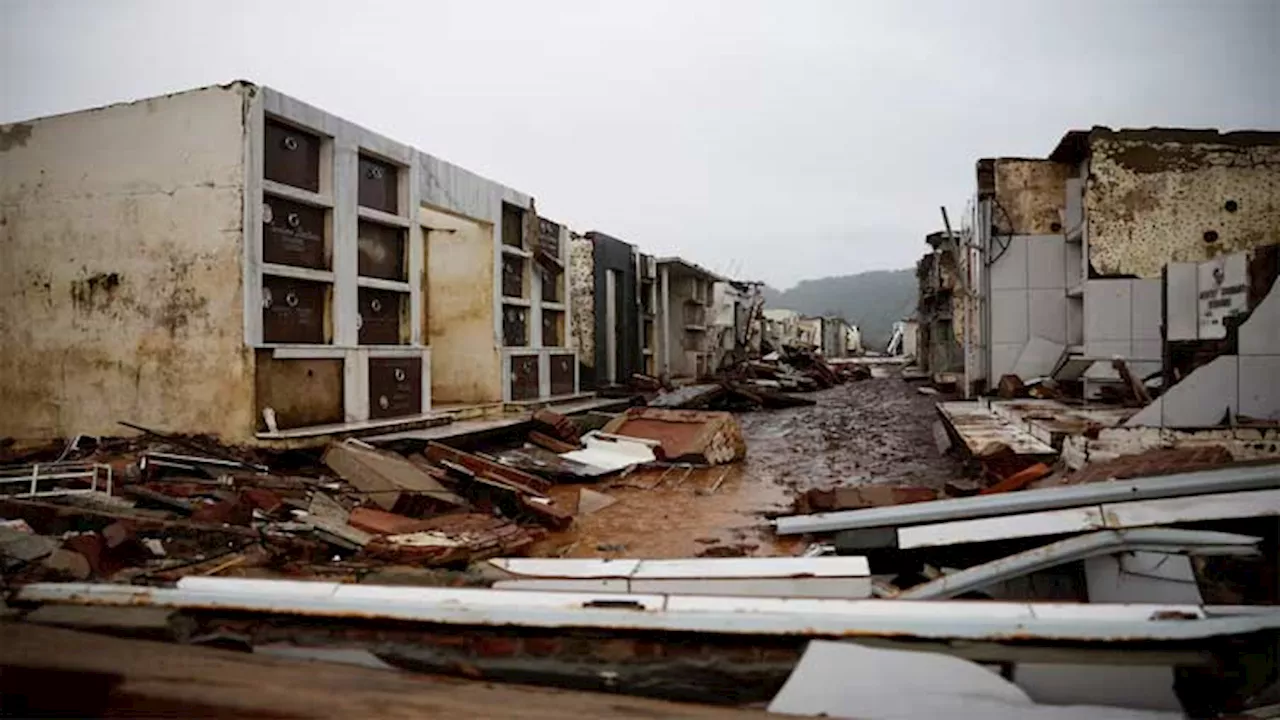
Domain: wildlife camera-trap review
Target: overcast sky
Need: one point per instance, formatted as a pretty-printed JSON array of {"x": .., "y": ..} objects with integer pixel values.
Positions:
[{"x": 776, "y": 140}]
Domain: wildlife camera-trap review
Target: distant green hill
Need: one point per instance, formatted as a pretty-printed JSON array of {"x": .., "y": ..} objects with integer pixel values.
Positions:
[{"x": 871, "y": 300}]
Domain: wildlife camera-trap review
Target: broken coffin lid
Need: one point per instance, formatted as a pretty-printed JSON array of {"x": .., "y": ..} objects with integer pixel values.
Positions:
[
  {"x": 825, "y": 577},
  {"x": 710, "y": 438},
  {"x": 391, "y": 481}
]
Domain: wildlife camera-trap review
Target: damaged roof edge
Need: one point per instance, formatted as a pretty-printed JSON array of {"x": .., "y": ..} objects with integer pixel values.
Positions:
[
  {"x": 1074, "y": 147},
  {"x": 1081, "y": 547},
  {"x": 1228, "y": 479},
  {"x": 992, "y": 621}
]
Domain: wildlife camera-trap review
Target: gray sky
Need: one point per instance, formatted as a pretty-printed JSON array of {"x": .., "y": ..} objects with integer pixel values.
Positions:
[{"x": 777, "y": 140}]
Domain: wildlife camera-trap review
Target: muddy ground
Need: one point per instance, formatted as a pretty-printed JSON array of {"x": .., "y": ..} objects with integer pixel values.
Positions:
[{"x": 873, "y": 431}]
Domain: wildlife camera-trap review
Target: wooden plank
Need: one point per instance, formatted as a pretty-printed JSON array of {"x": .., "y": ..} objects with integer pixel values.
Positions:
[{"x": 116, "y": 677}]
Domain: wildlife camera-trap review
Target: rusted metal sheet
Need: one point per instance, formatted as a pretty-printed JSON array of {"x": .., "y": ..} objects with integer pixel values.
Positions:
[
  {"x": 552, "y": 328},
  {"x": 294, "y": 311},
  {"x": 291, "y": 156},
  {"x": 515, "y": 326},
  {"x": 395, "y": 387},
  {"x": 512, "y": 276},
  {"x": 524, "y": 377},
  {"x": 382, "y": 251},
  {"x": 379, "y": 186},
  {"x": 562, "y": 367},
  {"x": 301, "y": 393},
  {"x": 712, "y": 438},
  {"x": 293, "y": 234},
  {"x": 381, "y": 316}
]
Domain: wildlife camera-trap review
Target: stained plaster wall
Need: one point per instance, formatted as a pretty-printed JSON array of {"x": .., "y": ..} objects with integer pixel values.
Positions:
[
  {"x": 682, "y": 346},
  {"x": 466, "y": 365},
  {"x": 1030, "y": 196},
  {"x": 582, "y": 288},
  {"x": 120, "y": 269},
  {"x": 1153, "y": 194}
]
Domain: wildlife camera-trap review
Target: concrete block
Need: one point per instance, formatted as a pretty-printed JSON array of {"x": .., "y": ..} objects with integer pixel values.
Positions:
[
  {"x": 1201, "y": 399},
  {"x": 1009, "y": 272},
  {"x": 1009, "y": 321},
  {"x": 1260, "y": 386},
  {"x": 1147, "y": 302},
  {"x": 1047, "y": 262},
  {"x": 1107, "y": 310},
  {"x": 1260, "y": 334},
  {"x": 1181, "y": 295},
  {"x": 1047, "y": 315}
]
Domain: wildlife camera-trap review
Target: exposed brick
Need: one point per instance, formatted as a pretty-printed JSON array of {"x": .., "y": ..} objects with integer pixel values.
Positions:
[
  {"x": 615, "y": 649},
  {"x": 261, "y": 499},
  {"x": 380, "y": 522},
  {"x": 689, "y": 649},
  {"x": 645, "y": 649},
  {"x": 446, "y": 640},
  {"x": 227, "y": 512},
  {"x": 1159, "y": 461},
  {"x": 495, "y": 646},
  {"x": 542, "y": 646},
  {"x": 578, "y": 646},
  {"x": 779, "y": 654},
  {"x": 744, "y": 653}
]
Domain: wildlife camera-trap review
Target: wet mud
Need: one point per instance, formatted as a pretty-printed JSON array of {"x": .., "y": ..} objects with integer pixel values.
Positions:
[{"x": 874, "y": 431}]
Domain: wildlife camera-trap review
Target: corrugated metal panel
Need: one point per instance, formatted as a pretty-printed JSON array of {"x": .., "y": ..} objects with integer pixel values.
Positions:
[
  {"x": 803, "y": 617},
  {"x": 1227, "y": 479}
]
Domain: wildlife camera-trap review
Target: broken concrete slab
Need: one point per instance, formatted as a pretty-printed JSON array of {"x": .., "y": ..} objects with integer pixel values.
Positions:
[
  {"x": 391, "y": 481},
  {"x": 532, "y": 484},
  {"x": 607, "y": 453},
  {"x": 710, "y": 438},
  {"x": 590, "y": 501}
]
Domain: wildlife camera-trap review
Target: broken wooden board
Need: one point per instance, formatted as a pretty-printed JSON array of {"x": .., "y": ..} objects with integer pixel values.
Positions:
[
  {"x": 710, "y": 438},
  {"x": 532, "y": 484}
]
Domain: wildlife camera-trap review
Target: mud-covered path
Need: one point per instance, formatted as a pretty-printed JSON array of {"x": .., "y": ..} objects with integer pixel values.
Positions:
[{"x": 876, "y": 430}]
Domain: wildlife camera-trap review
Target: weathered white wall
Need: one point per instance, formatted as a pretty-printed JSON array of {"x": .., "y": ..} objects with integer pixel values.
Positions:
[
  {"x": 465, "y": 360},
  {"x": 1028, "y": 279},
  {"x": 120, "y": 269}
]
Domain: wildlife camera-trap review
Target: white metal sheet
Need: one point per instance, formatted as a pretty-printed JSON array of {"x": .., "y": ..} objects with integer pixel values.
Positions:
[
  {"x": 1115, "y": 516},
  {"x": 688, "y": 568},
  {"x": 568, "y": 567},
  {"x": 724, "y": 615},
  {"x": 847, "y": 587},
  {"x": 1049, "y": 522}
]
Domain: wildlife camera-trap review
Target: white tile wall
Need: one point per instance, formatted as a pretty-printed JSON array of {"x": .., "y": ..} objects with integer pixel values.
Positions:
[
  {"x": 1107, "y": 310},
  {"x": 1003, "y": 357},
  {"x": 1009, "y": 316},
  {"x": 1010, "y": 270},
  {"x": 1046, "y": 262},
  {"x": 1260, "y": 334},
  {"x": 1047, "y": 315},
  {"x": 1146, "y": 299},
  {"x": 1201, "y": 399},
  {"x": 1075, "y": 321},
  {"x": 1182, "y": 292},
  {"x": 1260, "y": 386}
]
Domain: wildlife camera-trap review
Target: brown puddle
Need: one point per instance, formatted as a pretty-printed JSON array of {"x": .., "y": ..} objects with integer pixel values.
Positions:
[{"x": 871, "y": 431}]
